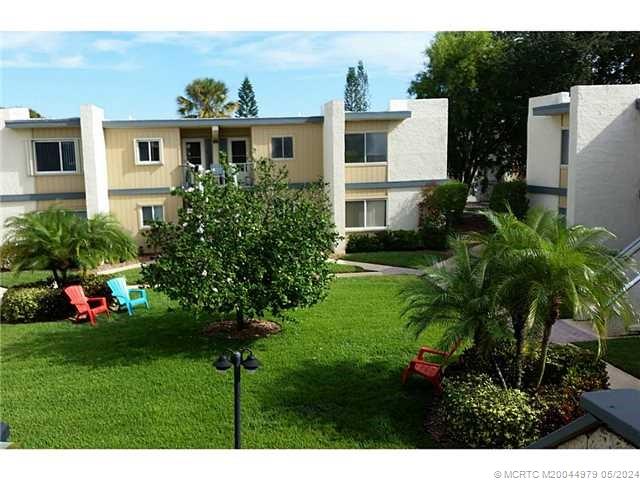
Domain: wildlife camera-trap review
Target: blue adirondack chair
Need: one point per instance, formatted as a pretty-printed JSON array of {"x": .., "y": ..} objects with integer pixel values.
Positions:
[{"x": 122, "y": 293}]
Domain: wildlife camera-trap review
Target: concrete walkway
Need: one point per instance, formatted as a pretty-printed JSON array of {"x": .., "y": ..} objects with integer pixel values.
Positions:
[{"x": 376, "y": 269}]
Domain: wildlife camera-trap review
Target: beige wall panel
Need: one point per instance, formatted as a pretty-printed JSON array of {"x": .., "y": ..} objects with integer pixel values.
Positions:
[
  {"x": 67, "y": 132},
  {"x": 123, "y": 171},
  {"x": 126, "y": 210},
  {"x": 563, "y": 177},
  {"x": 226, "y": 132},
  {"x": 306, "y": 165},
  {"x": 195, "y": 133},
  {"x": 370, "y": 126},
  {"x": 75, "y": 204},
  {"x": 362, "y": 173},
  {"x": 564, "y": 120},
  {"x": 562, "y": 202},
  {"x": 363, "y": 194}
]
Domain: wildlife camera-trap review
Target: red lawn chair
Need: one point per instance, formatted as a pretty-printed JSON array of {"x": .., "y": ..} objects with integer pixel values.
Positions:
[
  {"x": 82, "y": 303},
  {"x": 432, "y": 372}
]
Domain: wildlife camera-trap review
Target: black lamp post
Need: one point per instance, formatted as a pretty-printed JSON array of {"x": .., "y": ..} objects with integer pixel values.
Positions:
[{"x": 243, "y": 358}]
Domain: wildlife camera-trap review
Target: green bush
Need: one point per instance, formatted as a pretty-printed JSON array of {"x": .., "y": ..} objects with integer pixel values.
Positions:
[
  {"x": 512, "y": 195},
  {"x": 477, "y": 413},
  {"x": 434, "y": 232},
  {"x": 449, "y": 199},
  {"x": 389, "y": 240},
  {"x": 40, "y": 302}
]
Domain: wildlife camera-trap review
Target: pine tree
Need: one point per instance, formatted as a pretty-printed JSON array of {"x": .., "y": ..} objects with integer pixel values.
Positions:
[
  {"x": 351, "y": 91},
  {"x": 247, "y": 105},
  {"x": 356, "y": 89},
  {"x": 363, "y": 88}
]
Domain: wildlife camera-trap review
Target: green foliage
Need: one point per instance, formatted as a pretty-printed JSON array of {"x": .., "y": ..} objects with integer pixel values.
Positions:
[
  {"x": 41, "y": 302},
  {"x": 205, "y": 98},
  {"x": 245, "y": 250},
  {"x": 34, "y": 114},
  {"x": 247, "y": 105},
  {"x": 449, "y": 199},
  {"x": 477, "y": 413},
  {"x": 356, "y": 90},
  {"x": 386, "y": 240},
  {"x": 59, "y": 241},
  {"x": 510, "y": 195}
]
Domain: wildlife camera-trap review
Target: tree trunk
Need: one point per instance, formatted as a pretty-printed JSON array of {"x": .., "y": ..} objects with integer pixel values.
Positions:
[
  {"x": 546, "y": 335},
  {"x": 56, "y": 277},
  {"x": 240, "y": 320},
  {"x": 519, "y": 334}
]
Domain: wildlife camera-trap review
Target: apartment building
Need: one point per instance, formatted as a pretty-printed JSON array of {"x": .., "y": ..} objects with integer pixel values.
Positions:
[{"x": 375, "y": 163}]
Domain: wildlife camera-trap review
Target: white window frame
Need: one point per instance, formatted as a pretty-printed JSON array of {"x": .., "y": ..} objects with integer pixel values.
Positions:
[
  {"x": 247, "y": 145},
  {"x": 76, "y": 148},
  {"x": 366, "y": 228},
  {"x": 365, "y": 163},
  {"x": 203, "y": 153},
  {"x": 153, "y": 206},
  {"x": 293, "y": 147},
  {"x": 136, "y": 151}
]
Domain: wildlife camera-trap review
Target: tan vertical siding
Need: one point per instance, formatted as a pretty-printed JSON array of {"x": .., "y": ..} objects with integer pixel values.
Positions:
[
  {"x": 306, "y": 166},
  {"x": 122, "y": 169},
  {"x": 75, "y": 204},
  {"x": 564, "y": 174},
  {"x": 562, "y": 202},
  {"x": 57, "y": 183},
  {"x": 364, "y": 194},
  {"x": 564, "y": 120},
  {"x": 127, "y": 210},
  {"x": 370, "y": 126},
  {"x": 362, "y": 173}
]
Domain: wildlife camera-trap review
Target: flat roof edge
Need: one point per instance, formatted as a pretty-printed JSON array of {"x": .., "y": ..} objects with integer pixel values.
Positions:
[
  {"x": 44, "y": 123},
  {"x": 553, "y": 109}
]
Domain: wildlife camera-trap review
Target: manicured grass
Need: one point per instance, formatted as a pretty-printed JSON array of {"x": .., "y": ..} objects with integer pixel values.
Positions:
[
  {"x": 410, "y": 259},
  {"x": 338, "y": 268},
  {"x": 330, "y": 379},
  {"x": 11, "y": 279},
  {"x": 624, "y": 353}
]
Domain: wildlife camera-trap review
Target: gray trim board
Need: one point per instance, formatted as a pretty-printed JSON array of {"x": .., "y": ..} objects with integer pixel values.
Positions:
[
  {"x": 358, "y": 116},
  {"x": 581, "y": 425},
  {"x": 139, "y": 191},
  {"x": 554, "y": 109},
  {"x": 44, "y": 123},
  {"x": 395, "y": 184},
  {"x": 559, "y": 191},
  {"x": 617, "y": 409},
  {"x": 34, "y": 197}
]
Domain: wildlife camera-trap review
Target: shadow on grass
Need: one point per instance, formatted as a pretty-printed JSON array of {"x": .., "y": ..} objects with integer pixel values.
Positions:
[
  {"x": 121, "y": 341},
  {"x": 363, "y": 402}
]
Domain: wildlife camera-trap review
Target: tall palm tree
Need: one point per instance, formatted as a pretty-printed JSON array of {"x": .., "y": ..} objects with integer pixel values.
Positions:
[
  {"x": 205, "y": 98},
  {"x": 60, "y": 241},
  {"x": 544, "y": 266},
  {"x": 458, "y": 297}
]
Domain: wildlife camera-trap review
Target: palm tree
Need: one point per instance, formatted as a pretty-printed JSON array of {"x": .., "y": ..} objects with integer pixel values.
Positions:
[
  {"x": 205, "y": 98},
  {"x": 540, "y": 266},
  {"x": 60, "y": 241},
  {"x": 459, "y": 298}
]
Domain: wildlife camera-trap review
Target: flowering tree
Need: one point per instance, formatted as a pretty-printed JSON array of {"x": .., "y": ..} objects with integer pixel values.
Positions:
[{"x": 245, "y": 250}]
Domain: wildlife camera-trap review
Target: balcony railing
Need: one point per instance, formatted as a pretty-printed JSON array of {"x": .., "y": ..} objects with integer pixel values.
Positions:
[{"x": 241, "y": 174}]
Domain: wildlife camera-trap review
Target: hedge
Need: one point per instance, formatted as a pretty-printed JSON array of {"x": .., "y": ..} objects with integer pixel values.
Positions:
[
  {"x": 40, "y": 302},
  {"x": 511, "y": 195},
  {"x": 390, "y": 240}
]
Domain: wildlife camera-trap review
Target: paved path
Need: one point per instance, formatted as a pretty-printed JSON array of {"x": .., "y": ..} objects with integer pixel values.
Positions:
[{"x": 376, "y": 269}]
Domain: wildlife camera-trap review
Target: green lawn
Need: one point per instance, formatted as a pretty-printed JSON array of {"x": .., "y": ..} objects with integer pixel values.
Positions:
[
  {"x": 624, "y": 353},
  {"x": 330, "y": 379},
  {"x": 410, "y": 259},
  {"x": 10, "y": 279}
]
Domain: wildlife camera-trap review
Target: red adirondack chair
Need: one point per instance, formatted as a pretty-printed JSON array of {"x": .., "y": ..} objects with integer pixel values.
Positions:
[
  {"x": 83, "y": 304},
  {"x": 432, "y": 372}
]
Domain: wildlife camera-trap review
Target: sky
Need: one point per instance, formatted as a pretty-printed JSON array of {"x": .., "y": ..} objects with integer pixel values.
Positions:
[{"x": 137, "y": 75}]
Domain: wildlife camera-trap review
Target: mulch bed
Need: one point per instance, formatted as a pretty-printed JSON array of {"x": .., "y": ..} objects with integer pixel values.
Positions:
[{"x": 229, "y": 330}]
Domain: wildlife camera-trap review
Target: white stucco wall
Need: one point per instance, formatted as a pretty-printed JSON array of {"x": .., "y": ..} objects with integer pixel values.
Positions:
[
  {"x": 417, "y": 146},
  {"x": 604, "y": 159},
  {"x": 333, "y": 164},
  {"x": 402, "y": 206},
  {"x": 94, "y": 158},
  {"x": 14, "y": 172},
  {"x": 543, "y": 149}
]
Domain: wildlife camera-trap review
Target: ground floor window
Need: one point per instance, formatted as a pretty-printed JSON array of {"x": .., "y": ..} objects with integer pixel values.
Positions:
[
  {"x": 150, "y": 214},
  {"x": 366, "y": 214}
]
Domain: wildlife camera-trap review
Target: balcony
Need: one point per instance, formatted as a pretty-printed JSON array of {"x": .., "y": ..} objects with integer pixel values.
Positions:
[{"x": 241, "y": 174}]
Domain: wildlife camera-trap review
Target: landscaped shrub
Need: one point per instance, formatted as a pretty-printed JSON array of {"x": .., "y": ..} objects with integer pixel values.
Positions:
[
  {"x": 363, "y": 242},
  {"x": 434, "y": 232},
  {"x": 41, "y": 302},
  {"x": 448, "y": 198},
  {"x": 478, "y": 413},
  {"x": 389, "y": 240},
  {"x": 512, "y": 195}
]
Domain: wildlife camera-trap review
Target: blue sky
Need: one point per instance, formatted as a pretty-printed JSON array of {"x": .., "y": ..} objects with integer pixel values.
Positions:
[{"x": 139, "y": 74}]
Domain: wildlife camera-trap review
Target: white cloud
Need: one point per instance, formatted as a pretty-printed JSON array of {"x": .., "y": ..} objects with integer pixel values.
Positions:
[{"x": 111, "y": 45}]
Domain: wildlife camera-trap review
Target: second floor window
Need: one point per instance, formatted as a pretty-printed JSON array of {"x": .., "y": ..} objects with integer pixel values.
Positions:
[
  {"x": 55, "y": 156},
  {"x": 365, "y": 147},
  {"x": 281, "y": 148},
  {"x": 148, "y": 151}
]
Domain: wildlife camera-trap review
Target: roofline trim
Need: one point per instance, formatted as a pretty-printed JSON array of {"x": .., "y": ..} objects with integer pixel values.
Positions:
[
  {"x": 44, "y": 123},
  {"x": 553, "y": 109}
]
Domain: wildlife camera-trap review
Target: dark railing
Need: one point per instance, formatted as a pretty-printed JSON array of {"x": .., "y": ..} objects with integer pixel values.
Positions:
[{"x": 241, "y": 173}]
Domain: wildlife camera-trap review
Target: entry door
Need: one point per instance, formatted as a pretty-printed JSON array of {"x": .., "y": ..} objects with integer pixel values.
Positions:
[
  {"x": 238, "y": 150},
  {"x": 194, "y": 152}
]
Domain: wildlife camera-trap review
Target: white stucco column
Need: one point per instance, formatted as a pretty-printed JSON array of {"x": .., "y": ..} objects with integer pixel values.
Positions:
[
  {"x": 333, "y": 164},
  {"x": 94, "y": 159}
]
